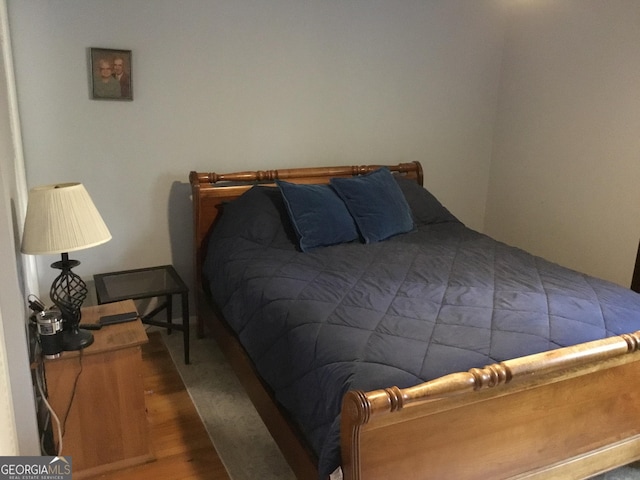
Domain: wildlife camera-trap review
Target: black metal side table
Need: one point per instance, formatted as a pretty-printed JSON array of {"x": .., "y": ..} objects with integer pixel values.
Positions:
[{"x": 141, "y": 283}]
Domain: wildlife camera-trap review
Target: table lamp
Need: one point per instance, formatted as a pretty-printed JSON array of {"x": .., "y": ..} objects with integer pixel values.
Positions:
[{"x": 62, "y": 218}]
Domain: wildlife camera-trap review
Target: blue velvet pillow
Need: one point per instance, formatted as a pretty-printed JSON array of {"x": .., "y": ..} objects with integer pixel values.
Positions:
[
  {"x": 318, "y": 215},
  {"x": 377, "y": 204}
]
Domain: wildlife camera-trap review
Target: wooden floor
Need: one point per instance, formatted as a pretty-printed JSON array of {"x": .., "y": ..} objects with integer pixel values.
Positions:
[{"x": 179, "y": 441}]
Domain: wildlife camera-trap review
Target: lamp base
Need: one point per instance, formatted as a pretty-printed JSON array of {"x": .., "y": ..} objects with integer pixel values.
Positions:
[{"x": 76, "y": 339}]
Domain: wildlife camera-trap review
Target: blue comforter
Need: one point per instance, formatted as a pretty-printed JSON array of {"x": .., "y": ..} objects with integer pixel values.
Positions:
[{"x": 437, "y": 300}]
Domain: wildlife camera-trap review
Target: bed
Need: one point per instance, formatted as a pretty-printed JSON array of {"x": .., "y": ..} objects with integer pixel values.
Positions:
[{"x": 432, "y": 351}]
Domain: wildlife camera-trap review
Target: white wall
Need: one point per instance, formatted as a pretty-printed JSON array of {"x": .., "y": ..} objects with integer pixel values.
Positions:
[
  {"x": 565, "y": 174},
  {"x": 18, "y": 429},
  {"x": 228, "y": 85}
]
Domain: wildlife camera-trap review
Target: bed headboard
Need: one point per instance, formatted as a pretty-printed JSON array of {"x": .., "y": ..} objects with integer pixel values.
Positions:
[{"x": 211, "y": 190}]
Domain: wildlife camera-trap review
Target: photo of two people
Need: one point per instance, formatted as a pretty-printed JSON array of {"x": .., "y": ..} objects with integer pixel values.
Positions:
[{"x": 111, "y": 74}]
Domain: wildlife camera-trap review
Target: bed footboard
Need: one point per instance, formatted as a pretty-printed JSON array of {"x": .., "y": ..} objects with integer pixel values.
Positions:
[{"x": 567, "y": 413}]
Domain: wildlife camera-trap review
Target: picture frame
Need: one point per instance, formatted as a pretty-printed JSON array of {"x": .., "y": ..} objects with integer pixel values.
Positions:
[{"x": 110, "y": 74}]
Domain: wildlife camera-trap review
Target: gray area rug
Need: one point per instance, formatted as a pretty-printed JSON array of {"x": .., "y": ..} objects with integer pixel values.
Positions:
[
  {"x": 247, "y": 450},
  {"x": 237, "y": 432}
]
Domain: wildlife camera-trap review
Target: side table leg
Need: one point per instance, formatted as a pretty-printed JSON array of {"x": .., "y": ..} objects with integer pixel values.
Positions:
[
  {"x": 185, "y": 326},
  {"x": 169, "y": 312}
]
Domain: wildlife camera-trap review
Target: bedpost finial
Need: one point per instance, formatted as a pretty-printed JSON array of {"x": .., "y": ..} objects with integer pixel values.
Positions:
[
  {"x": 356, "y": 407},
  {"x": 197, "y": 178},
  {"x": 359, "y": 406}
]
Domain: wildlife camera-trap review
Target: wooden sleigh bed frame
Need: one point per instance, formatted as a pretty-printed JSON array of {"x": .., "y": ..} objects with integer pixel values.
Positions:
[{"x": 567, "y": 413}]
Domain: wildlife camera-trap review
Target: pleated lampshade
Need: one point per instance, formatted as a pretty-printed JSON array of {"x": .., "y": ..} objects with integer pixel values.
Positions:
[{"x": 62, "y": 218}]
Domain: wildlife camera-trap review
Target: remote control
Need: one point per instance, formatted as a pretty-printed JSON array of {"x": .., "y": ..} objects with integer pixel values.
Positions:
[{"x": 118, "y": 318}]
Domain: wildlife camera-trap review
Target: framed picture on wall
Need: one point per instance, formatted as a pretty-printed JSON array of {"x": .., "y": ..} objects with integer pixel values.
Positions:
[{"x": 110, "y": 74}]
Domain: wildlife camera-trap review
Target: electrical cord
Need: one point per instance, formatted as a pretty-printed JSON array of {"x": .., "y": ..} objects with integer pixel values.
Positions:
[
  {"x": 43, "y": 449},
  {"x": 60, "y": 426},
  {"x": 39, "y": 375},
  {"x": 73, "y": 393}
]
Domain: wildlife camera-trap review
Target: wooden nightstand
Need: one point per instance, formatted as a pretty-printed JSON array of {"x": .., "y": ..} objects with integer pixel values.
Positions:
[{"x": 106, "y": 424}]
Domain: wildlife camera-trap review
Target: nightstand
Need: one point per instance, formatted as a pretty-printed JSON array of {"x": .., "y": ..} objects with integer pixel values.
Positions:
[
  {"x": 98, "y": 395},
  {"x": 162, "y": 282}
]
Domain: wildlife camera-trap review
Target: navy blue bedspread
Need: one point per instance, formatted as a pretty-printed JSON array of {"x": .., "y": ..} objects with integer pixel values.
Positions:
[{"x": 438, "y": 300}]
